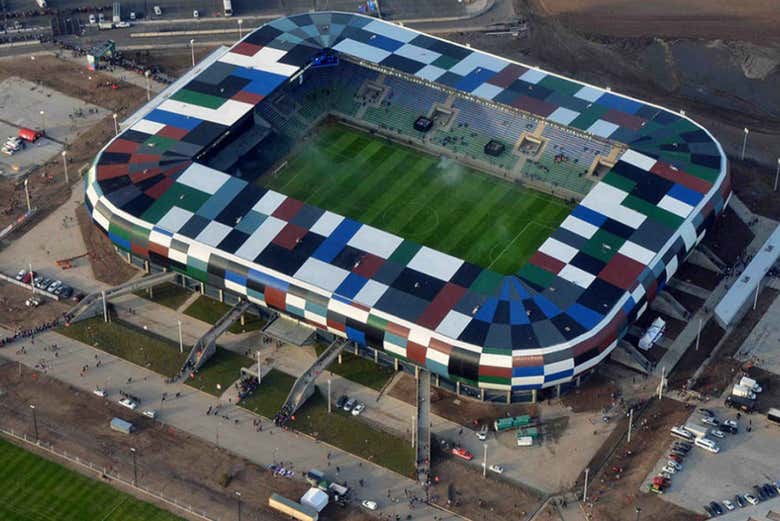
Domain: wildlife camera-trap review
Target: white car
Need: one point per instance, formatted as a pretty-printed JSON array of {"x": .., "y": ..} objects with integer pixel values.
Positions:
[
  {"x": 728, "y": 504},
  {"x": 669, "y": 470},
  {"x": 357, "y": 409},
  {"x": 99, "y": 391},
  {"x": 195, "y": 14},
  {"x": 123, "y": 25},
  {"x": 753, "y": 500},
  {"x": 718, "y": 434},
  {"x": 130, "y": 404},
  {"x": 21, "y": 274},
  {"x": 674, "y": 465},
  {"x": 482, "y": 433},
  {"x": 681, "y": 432},
  {"x": 707, "y": 444},
  {"x": 368, "y": 504},
  {"x": 92, "y": 19},
  {"x": 157, "y": 10},
  {"x": 150, "y": 413},
  {"x": 498, "y": 469},
  {"x": 709, "y": 420},
  {"x": 730, "y": 423}
]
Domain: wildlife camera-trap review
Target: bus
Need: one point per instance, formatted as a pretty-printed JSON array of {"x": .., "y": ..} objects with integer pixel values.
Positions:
[{"x": 774, "y": 416}]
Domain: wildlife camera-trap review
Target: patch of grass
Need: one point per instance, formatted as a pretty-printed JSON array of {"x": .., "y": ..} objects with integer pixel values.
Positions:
[
  {"x": 354, "y": 435},
  {"x": 270, "y": 395},
  {"x": 35, "y": 489},
  {"x": 210, "y": 311},
  {"x": 223, "y": 368},
  {"x": 445, "y": 205},
  {"x": 359, "y": 370},
  {"x": 338, "y": 428},
  {"x": 168, "y": 294},
  {"x": 126, "y": 341}
]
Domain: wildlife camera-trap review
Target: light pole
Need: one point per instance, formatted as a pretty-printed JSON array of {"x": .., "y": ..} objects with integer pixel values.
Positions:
[
  {"x": 484, "y": 462},
  {"x": 240, "y": 23},
  {"x": 630, "y": 424},
  {"x": 192, "y": 49},
  {"x": 585, "y": 488},
  {"x": 638, "y": 510},
  {"x": 65, "y": 165},
  {"x": 661, "y": 383},
  {"x": 698, "y": 334},
  {"x": 329, "y": 400},
  {"x": 744, "y": 143},
  {"x": 148, "y": 85},
  {"x": 135, "y": 467},
  {"x": 32, "y": 278},
  {"x": 43, "y": 122},
  {"x": 777, "y": 174},
  {"x": 35, "y": 422},
  {"x": 238, "y": 497},
  {"x": 181, "y": 341},
  {"x": 116, "y": 127},
  {"x": 27, "y": 195}
]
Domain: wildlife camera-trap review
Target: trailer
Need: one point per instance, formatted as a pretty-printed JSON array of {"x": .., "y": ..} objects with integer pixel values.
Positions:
[
  {"x": 292, "y": 508},
  {"x": 503, "y": 424},
  {"x": 120, "y": 425}
]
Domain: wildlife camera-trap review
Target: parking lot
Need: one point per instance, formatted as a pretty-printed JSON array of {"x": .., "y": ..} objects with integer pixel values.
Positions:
[
  {"x": 745, "y": 459},
  {"x": 64, "y": 119}
]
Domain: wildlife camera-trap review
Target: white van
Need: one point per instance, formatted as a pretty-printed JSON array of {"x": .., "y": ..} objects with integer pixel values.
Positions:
[
  {"x": 707, "y": 444},
  {"x": 157, "y": 10}
]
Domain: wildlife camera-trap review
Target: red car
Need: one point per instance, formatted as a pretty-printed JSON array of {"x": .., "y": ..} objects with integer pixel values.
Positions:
[{"x": 462, "y": 453}]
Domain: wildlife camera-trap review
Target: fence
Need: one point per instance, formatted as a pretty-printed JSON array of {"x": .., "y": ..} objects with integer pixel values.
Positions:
[{"x": 104, "y": 473}]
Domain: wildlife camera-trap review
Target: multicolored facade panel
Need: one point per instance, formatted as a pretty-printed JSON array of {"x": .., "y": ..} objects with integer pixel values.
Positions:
[{"x": 557, "y": 317}]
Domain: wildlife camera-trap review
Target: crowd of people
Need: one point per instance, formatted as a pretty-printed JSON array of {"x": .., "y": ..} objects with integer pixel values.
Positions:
[{"x": 21, "y": 334}]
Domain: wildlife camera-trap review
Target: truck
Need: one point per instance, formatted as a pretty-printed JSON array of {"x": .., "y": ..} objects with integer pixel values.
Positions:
[
  {"x": 105, "y": 26},
  {"x": 503, "y": 424},
  {"x": 750, "y": 384},
  {"x": 743, "y": 391},
  {"x": 228, "y": 7},
  {"x": 29, "y": 135},
  {"x": 699, "y": 431},
  {"x": 740, "y": 403},
  {"x": 314, "y": 477},
  {"x": 653, "y": 334},
  {"x": 120, "y": 425},
  {"x": 339, "y": 489}
]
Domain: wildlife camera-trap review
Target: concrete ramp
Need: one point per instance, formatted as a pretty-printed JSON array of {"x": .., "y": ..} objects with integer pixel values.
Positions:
[
  {"x": 288, "y": 331},
  {"x": 304, "y": 385},
  {"x": 206, "y": 345},
  {"x": 91, "y": 305}
]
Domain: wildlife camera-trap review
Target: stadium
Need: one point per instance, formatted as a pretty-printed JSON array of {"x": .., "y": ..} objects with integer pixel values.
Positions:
[{"x": 440, "y": 207}]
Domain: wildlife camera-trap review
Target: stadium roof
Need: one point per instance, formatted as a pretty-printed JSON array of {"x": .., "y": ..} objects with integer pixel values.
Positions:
[{"x": 558, "y": 316}]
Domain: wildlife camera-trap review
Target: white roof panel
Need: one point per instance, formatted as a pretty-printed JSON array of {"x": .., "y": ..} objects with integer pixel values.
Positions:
[
  {"x": 373, "y": 240},
  {"x": 430, "y": 72},
  {"x": 260, "y": 238},
  {"x": 321, "y": 274},
  {"x": 580, "y": 227},
  {"x": 148, "y": 127},
  {"x": 327, "y": 222},
  {"x": 577, "y": 276},
  {"x": 203, "y": 178},
  {"x": 487, "y": 91},
  {"x": 435, "y": 263},
  {"x": 174, "y": 219},
  {"x": 558, "y": 250},
  {"x": 589, "y": 93},
  {"x": 269, "y": 202},
  {"x": 418, "y": 54},
  {"x": 362, "y": 50},
  {"x": 533, "y": 76},
  {"x": 370, "y": 293},
  {"x": 563, "y": 115},
  {"x": 638, "y": 160},
  {"x": 213, "y": 233},
  {"x": 606, "y": 200},
  {"x": 677, "y": 207},
  {"x": 391, "y": 30},
  {"x": 602, "y": 128},
  {"x": 639, "y": 253},
  {"x": 227, "y": 114},
  {"x": 453, "y": 324}
]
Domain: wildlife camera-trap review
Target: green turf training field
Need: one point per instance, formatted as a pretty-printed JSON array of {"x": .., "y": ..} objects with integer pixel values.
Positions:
[
  {"x": 437, "y": 202},
  {"x": 35, "y": 489}
]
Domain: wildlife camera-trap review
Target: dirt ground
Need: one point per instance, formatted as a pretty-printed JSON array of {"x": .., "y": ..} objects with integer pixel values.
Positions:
[
  {"x": 594, "y": 394},
  {"x": 176, "y": 464},
  {"x": 106, "y": 264},
  {"x": 460, "y": 410},
  {"x": 14, "y": 313},
  {"x": 729, "y": 19},
  {"x": 613, "y": 492},
  {"x": 46, "y": 182},
  {"x": 463, "y": 490},
  {"x": 754, "y": 185},
  {"x": 698, "y": 276},
  {"x": 729, "y": 237}
]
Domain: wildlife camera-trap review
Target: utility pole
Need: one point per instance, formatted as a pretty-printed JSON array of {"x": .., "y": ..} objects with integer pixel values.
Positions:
[
  {"x": 260, "y": 374},
  {"x": 414, "y": 429},
  {"x": 698, "y": 334},
  {"x": 148, "y": 86},
  {"x": 630, "y": 424},
  {"x": 32, "y": 279},
  {"x": 484, "y": 462},
  {"x": 192, "y": 49},
  {"x": 755, "y": 298},
  {"x": 27, "y": 195},
  {"x": 238, "y": 497},
  {"x": 135, "y": 467},
  {"x": 116, "y": 126},
  {"x": 240, "y": 23},
  {"x": 181, "y": 341},
  {"x": 744, "y": 143},
  {"x": 105, "y": 307},
  {"x": 35, "y": 422},
  {"x": 329, "y": 399},
  {"x": 661, "y": 383},
  {"x": 585, "y": 488},
  {"x": 65, "y": 164}
]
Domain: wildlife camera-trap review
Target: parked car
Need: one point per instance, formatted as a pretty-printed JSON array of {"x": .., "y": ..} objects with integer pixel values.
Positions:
[
  {"x": 498, "y": 469},
  {"x": 708, "y": 445},
  {"x": 770, "y": 490},
  {"x": 674, "y": 464},
  {"x": 730, "y": 423},
  {"x": 150, "y": 413},
  {"x": 54, "y": 285},
  {"x": 669, "y": 470},
  {"x": 685, "y": 449},
  {"x": 706, "y": 412},
  {"x": 92, "y": 19},
  {"x": 676, "y": 457},
  {"x": 710, "y": 420},
  {"x": 740, "y": 501},
  {"x": 462, "y": 453},
  {"x": 728, "y": 428},
  {"x": 157, "y": 10},
  {"x": 717, "y": 433},
  {"x": 195, "y": 14},
  {"x": 728, "y": 504},
  {"x": 341, "y": 401},
  {"x": 710, "y": 511},
  {"x": 33, "y": 302},
  {"x": 681, "y": 432},
  {"x": 130, "y": 404},
  {"x": 21, "y": 274},
  {"x": 358, "y": 408},
  {"x": 762, "y": 496},
  {"x": 368, "y": 504},
  {"x": 67, "y": 291},
  {"x": 715, "y": 506},
  {"x": 100, "y": 391},
  {"x": 482, "y": 433},
  {"x": 750, "y": 498},
  {"x": 349, "y": 405}
]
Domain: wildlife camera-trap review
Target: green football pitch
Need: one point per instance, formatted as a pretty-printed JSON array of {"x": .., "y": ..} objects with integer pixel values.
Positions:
[
  {"x": 434, "y": 201},
  {"x": 35, "y": 489}
]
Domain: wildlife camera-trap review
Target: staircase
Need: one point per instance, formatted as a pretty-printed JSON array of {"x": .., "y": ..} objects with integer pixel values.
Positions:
[
  {"x": 206, "y": 345},
  {"x": 304, "y": 385},
  {"x": 628, "y": 355}
]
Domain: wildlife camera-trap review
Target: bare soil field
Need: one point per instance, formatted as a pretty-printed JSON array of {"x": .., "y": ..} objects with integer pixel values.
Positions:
[
  {"x": 754, "y": 185},
  {"x": 106, "y": 264},
  {"x": 15, "y": 314},
  {"x": 172, "y": 462},
  {"x": 728, "y": 19},
  {"x": 594, "y": 394},
  {"x": 458, "y": 409},
  {"x": 614, "y": 489},
  {"x": 729, "y": 237},
  {"x": 698, "y": 276}
]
